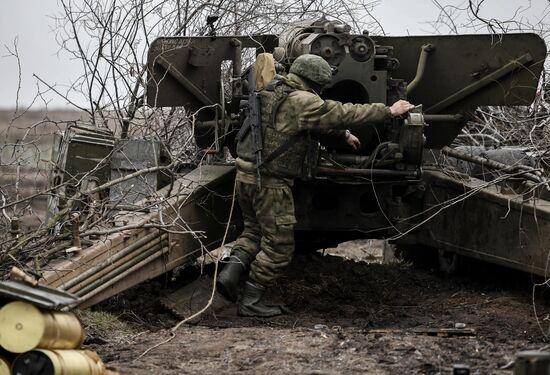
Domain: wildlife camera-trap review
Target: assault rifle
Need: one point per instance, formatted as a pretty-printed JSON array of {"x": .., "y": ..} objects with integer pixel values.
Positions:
[{"x": 255, "y": 121}]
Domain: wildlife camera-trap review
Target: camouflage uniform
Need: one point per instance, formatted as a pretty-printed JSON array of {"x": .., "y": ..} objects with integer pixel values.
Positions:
[{"x": 268, "y": 212}]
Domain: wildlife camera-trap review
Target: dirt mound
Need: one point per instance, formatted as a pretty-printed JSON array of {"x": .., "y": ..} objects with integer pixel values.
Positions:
[{"x": 348, "y": 317}]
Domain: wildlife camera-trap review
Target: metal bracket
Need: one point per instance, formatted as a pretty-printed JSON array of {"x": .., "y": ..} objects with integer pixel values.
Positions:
[
  {"x": 421, "y": 68},
  {"x": 176, "y": 74},
  {"x": 470, "y": 89}
]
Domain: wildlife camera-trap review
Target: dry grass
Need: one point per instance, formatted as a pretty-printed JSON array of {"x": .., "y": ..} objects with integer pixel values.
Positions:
[{"x": 103, "y": 327}]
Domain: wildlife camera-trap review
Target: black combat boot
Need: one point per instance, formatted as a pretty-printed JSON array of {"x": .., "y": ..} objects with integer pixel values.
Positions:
[
  {"x": 229, "y": 278},
  {"x": 252, "y": 305}
]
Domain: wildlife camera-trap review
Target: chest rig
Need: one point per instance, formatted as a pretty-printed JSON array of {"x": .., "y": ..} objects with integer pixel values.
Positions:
[{"x": 290, "y": 155}]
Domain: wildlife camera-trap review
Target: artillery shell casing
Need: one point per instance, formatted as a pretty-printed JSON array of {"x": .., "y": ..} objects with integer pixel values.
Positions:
[
  {"x": 58, "y": 362},
  {"x": 4, "y": 366},
  {"x": 24, "y": 327}
]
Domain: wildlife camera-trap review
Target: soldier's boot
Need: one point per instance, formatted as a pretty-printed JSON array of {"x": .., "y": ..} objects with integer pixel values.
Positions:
[
  {"x": 252, "y": 304},
  {"x": 229, "y": 278}
]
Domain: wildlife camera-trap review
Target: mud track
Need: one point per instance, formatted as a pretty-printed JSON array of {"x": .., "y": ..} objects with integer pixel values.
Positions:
[{"x": 348, "y": 318}]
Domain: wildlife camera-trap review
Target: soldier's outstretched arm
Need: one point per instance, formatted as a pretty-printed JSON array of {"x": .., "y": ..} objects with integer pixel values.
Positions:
[
  {"x": 329, "y": 114},
  {"x": 348, "y": 114}
]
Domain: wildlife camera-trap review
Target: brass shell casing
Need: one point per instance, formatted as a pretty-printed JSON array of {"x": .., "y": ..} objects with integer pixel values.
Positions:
[
  {"x": 5, "y": 366},
  {"x": 59, "y": 362},
  {"x": 24, "y": 327}
]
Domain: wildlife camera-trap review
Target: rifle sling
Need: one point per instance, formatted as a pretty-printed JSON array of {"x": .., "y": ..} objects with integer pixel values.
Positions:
[{"x": 282, "y": 149}]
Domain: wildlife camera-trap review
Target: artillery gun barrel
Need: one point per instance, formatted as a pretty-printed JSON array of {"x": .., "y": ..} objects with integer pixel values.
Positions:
[
  {"x": 495, "y": 165},
  {"x": 443, "y": 118}
]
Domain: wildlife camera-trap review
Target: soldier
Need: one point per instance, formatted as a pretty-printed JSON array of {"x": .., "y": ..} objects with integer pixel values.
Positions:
[{"x": 291, "y": 110}]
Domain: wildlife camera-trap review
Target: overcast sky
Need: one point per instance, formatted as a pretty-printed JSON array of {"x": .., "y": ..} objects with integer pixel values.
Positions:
[{"x": 29, "y": 21}]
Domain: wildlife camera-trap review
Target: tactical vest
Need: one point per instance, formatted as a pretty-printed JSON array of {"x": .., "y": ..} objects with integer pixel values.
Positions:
[{"x": 284, "y": 155}]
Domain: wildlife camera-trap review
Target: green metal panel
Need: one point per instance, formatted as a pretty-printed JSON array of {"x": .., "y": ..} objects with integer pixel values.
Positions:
[
  {"x": 186, "y": 71},
  {"x": 464, "y": 72}
]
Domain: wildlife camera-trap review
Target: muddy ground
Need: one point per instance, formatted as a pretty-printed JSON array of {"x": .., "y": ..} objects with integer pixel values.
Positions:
[{"x": 349, "y": 317}]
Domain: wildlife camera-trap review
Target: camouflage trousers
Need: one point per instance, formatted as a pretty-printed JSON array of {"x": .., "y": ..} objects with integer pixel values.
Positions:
[{"x": 268, "y": 236}]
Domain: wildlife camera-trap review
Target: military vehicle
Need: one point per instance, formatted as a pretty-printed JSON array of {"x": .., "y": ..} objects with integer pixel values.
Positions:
[{"x": 407, "y": 184}]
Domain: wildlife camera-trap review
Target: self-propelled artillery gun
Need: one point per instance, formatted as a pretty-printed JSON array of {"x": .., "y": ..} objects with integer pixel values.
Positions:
[{"x": 407, "y": 183}]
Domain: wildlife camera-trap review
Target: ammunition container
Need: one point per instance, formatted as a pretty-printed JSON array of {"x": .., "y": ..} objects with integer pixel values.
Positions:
[
  {"x": 4, "y": 366},
  {"x": 58, "y": 362},
  {"x": 24, "y": 327}
]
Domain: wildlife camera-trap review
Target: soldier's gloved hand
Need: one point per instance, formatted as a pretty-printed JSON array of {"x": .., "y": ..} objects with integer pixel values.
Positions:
[
  {"x": 353, "y": 141},
  {"x": 400, "y": 107}
]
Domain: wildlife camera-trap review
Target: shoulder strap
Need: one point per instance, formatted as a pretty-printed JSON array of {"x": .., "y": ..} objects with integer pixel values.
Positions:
[
  {"x": 283, "y": 95},
  {"x": 282, "y": 148}
]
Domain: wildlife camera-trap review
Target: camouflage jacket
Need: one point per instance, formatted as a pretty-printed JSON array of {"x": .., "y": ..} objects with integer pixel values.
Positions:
[{"x": 304, "y": 110}]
